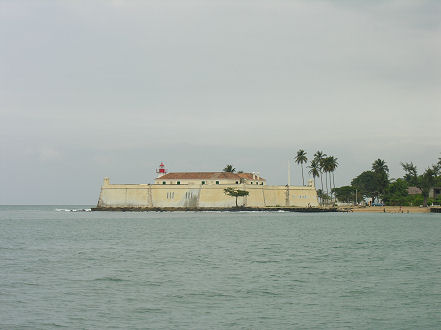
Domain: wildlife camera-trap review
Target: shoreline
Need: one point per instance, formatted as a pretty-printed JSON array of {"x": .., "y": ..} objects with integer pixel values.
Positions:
[
  {"x": 215, "y": 209},
  {"x": 390, "y": 209},
  {"x": 359, "y": 209}
]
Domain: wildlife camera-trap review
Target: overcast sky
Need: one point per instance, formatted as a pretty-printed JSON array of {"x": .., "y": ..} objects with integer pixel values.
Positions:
[{"x": 90, "y": 89}]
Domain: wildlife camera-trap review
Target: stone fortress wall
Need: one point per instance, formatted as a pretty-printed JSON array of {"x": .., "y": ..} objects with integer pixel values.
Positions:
[{"x": 203, "y": 196}]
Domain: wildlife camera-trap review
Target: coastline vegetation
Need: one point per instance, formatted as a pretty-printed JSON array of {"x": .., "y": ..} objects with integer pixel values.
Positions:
[
  {"x": 319, "y": 165},
  {"x": 413, "y": 189},
  {"x": 376, "y": 185}
]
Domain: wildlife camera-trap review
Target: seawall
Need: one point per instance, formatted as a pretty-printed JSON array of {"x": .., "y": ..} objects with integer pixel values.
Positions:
[
  {"x": 218, "y": 209},
  {"x": 192, "y": 197}
]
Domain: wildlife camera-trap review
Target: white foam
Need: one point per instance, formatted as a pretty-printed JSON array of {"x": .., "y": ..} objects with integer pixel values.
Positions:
[{"x": 73, "y": 210}]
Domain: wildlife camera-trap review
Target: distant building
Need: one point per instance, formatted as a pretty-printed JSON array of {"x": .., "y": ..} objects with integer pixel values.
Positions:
[
  {"x": 434, "y": 192},
  {"x": 199, "y": 190},
  {"x": 414, "y": 191}
]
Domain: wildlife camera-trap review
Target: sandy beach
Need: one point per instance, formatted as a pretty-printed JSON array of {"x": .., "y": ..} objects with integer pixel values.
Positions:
[{"x": 392, "y": 209}]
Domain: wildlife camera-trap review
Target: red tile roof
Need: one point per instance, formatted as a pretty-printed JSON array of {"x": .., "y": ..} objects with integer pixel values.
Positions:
[{"x": 208, "y": 176}]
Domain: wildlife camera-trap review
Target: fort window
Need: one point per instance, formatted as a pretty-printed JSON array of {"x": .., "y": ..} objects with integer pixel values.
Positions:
[
  {"x": 179, "y": 182},
  {"x": 237, "y": 182},
  {"x": 217, "y": 182},
  {"x": 203, "y": 182},
  {"x": 163, "y": 182}
]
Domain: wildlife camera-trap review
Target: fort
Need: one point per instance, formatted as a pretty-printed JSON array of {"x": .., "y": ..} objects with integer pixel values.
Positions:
[{"x": 204, "y": 191}]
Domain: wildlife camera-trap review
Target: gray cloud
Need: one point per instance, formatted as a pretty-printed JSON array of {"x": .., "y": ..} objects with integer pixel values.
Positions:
[{"x": 113, "y": 87}]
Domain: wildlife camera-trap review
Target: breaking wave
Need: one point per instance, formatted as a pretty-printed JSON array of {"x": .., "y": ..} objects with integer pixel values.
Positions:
[{"x": 73, "y": 210}]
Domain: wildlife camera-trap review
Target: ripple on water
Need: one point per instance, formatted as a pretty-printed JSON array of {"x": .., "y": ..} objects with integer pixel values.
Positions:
[
  {"x": 110, "y": 279},
  {"x": 217, "y": 270}
]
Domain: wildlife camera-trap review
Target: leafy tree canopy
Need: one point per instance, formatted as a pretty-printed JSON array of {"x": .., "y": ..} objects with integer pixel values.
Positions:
[
  {"x": 411, "y": 173},
  {"x": 366, "y": 184},
  {"x": 345, "y": 194},
  {"x": 396, "y": 193},
  {"x": 381, "y": 171},
  {"x": 379, "y": 166},
  {"x": 425, "y": 182},
  {"x": 301, "y": 157},
  {"x": 229, "y": 168},
  {"x": 235, "y": 193},
  {"x": 314, "y": 168}
]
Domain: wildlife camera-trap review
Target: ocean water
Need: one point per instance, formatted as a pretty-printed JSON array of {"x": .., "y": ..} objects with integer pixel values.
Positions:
[{"x": 232, "y": 270}]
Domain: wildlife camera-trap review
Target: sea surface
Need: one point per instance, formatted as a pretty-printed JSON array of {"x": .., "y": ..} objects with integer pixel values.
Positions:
[{"x": 225, "y": 270}]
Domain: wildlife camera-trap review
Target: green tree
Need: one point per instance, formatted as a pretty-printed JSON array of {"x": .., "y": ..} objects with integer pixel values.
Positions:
[
  {"x": 379, "y": 165},
  {"x": 235, "y": 193},
  {"x": 318, "y": 157},
  {"x": 314, "y": 169},
  {"x": 396, "y": 193},
  {"x": 365, "y": 183},
  {"x": 333, "y": 164},
  {"x": 229, "y": 168},
  {"x": 345, "y": 194},
  {"x": 426, "y": 181},
  {"x": 301, "y": 159},
  {"x": 436, "y": 169},
  {"x": 381, "y": 172},
  {"x": 327, "y": 168},
  {"x": 322, "y": 195},
  {"x": 411, "y": 174}
]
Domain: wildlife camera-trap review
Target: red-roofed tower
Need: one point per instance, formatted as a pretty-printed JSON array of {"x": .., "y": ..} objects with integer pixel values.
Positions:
[{"x": 161, "y": 170}]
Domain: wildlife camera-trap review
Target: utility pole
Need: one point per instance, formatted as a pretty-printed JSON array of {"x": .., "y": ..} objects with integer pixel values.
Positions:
[{"x": 289, "y": 173}]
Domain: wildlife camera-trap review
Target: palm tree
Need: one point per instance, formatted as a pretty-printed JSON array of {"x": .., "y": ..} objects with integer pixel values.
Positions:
[
  {"x": 300, "y": 159},
  {"x": 314, "y": 169},
  {"x": 229, "y": 168},
  {"x": 381, "y": 171},
  {"x": 333, "y": 164},
  {"x": 318, "y": 156},
  {"x": 379, "y": 166},
  {"x": 327, "y": 167}
]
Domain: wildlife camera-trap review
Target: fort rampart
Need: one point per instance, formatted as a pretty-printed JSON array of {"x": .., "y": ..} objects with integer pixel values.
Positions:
[{"x": 203, "y": 196}]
